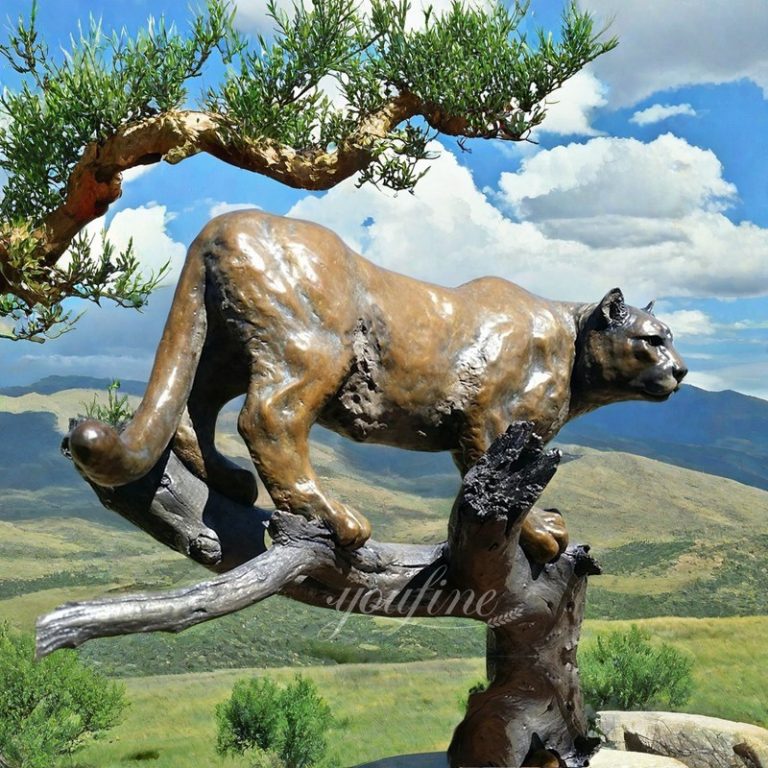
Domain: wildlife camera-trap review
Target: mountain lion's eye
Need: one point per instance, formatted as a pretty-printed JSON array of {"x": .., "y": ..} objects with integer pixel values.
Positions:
[{"x": 654, "y": 341}]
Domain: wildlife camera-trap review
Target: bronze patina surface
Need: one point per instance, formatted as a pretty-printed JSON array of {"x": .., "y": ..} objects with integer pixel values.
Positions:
[{"x": 283, "y": 311}]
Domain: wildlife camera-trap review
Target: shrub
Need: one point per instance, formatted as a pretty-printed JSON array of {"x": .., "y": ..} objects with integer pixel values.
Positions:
[
  {"x": 50, "y": 708},
  {"x": 117, "y": 410},
  {"x": 477, "y": 687},
  {"x": 282, "y": 726},
  {"x": 623, "y": 670}
]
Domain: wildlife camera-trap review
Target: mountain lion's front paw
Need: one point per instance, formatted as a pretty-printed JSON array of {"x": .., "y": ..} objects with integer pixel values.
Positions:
[
  {"x": 350, "y": 528},
  {"x": 544, "y": 536}
]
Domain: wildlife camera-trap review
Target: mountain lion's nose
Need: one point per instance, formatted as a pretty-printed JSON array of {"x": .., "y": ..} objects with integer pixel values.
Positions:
[{"x": 680, "y": 373}]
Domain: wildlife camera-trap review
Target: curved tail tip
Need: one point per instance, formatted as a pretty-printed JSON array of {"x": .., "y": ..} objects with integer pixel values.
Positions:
[{"x": 93, "y": 446}]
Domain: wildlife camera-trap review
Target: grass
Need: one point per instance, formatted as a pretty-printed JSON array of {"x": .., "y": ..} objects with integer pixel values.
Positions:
[
  {"x": 672, "y": 541},
  {"x": 56, "y": 560},
  {"x": 388, "y": 709},
  {"x": 22, "y": 612},
  {"x": 380, "y": 710},
  {"x": 731, "y": 661},
  {"x": 46, "y": 562},
  {"x": 610, "y": 499},
  {"x": 59, "y": 560},
  {"x": 683, "y": 578},
  {"x": 279, "y": 632},
  {"x": 80, "y": 560}
]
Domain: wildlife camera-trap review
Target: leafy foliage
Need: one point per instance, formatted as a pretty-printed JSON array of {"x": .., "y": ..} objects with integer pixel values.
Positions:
[
  {"x": 472, "y": 73},
  {"x": 104, "y": 81},
  {"x": 472, "y": 66},
  {"x": 477, "y": 687},
  {"x": 623, "y": 670},
  {"x": 332, "y": 88},
  {"x": 50, "y": 708},
  {"x": 307, "y": 720},
  {"x": 116, "y": 412},
  {"x": 281, "y": 726},
  {"x": 101, "y": 84},
  {"x": 86, "y": 273}
]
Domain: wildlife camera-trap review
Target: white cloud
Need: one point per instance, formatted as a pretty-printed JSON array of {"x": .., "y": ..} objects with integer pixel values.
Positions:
[
  {"x": 108, "y": 341},
  {"x": 106, "y": 365},
  {"x": 252, "y": 14},
  {"x": 610, "y": 177},
  {"x": 659, "y": 112},
  {"x": 743, "y": 377},
  {"x": 146, "y": 227},
  {"x": 665, "y": 45},
  {"x": 706, "y": 380},
  {"x": 749, "y": 325},
  {"x": 137, "y": 172},
  {"x": 447, "y": 228},
  {"x": 647, "y": 217},
  {"x": 217, "y": 209},
  {"x": 650, "y": 213},
  {"x": 570, "y": 108},
  {"x": 688, "y": 322}
]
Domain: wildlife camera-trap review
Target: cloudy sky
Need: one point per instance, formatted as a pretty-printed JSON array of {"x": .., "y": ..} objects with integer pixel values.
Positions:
[{"x": 650, "y": 173}]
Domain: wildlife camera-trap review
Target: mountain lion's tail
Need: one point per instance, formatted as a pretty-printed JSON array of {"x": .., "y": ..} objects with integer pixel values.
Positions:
[{"x": 111, "y": 459}]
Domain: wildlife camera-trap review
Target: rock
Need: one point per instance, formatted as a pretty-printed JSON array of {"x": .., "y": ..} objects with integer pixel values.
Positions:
[
  {"x": 610, "y": 758},
  {"x": 424, "y": 760},
  {"x": 652, "y": 740},
  {"x": 695, "y": 740},
  {"x": 605, "y": 758}
]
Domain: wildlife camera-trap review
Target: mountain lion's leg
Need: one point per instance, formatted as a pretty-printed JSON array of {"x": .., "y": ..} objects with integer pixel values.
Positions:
[
  {"x": 195, "y": 446},
  {"x": 275, "y": 423}
]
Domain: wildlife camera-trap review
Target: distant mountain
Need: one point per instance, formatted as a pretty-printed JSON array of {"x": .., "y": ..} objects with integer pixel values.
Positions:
[
  {"x": 52, "y": 384},
  {"x": 673, "y": 541},
  {"x": 720, "y": 433},
  {"x": 36, "y": 481},
  {"x": 31, "y": 459}
]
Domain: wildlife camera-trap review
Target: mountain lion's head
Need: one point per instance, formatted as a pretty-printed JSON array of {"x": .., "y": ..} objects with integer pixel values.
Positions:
[{"x": 624, "y": 353}]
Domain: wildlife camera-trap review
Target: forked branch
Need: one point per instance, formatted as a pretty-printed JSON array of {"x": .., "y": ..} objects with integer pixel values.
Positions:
[
  {"x": 332, "y": 94},
  {"x": 533, "y": 703}
]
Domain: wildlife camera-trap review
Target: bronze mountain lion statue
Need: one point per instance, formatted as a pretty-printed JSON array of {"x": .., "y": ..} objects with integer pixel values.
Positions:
[{"x": 283, "y": 311}]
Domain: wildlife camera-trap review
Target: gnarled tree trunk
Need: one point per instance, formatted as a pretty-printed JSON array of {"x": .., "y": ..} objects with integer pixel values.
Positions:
[{"x": 531, "y": 712}]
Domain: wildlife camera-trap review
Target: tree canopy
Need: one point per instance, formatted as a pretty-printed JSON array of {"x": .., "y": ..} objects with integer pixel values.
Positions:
[{"x": 333, "y": 92}]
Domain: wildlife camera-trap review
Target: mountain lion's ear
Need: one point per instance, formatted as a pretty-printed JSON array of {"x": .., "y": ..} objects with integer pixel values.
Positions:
[
  {"x": 612, "y": 309},
  {"x": 649, "y": 308}
]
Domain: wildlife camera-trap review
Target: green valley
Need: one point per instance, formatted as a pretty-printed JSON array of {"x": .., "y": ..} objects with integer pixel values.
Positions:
[{"x": 683, "y": 552}]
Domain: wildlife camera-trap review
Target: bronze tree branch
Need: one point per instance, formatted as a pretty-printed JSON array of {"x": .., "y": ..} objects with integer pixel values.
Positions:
[{"x": 533, "y": 703}]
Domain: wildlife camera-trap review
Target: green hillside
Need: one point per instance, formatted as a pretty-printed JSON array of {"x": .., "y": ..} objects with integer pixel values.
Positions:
[
  {"x": 672, "y": 542},
  {"x": 388, "y": 709},
  {"x": 720, "y": 433}
]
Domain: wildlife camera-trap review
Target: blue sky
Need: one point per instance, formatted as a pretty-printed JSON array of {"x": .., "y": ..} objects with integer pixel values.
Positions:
[{"x": 650, "y": 173}]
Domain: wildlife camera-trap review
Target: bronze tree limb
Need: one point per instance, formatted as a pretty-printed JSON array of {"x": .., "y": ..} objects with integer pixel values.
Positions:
[{"x": 533, "y": 703}]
